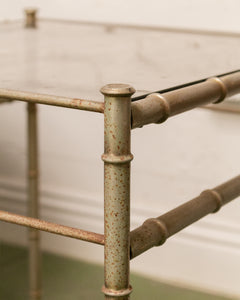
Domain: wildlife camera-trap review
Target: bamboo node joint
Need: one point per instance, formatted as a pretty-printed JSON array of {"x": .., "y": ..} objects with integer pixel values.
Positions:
[
  {"x": 217, "y": 197},
  {"x": 164, "y": 106},
  {"x": 117, "y": 159},
  {"x": 117, "y": 293},
  {"x": 223, "y": 87},
  {"x": 162, "y": 228}
]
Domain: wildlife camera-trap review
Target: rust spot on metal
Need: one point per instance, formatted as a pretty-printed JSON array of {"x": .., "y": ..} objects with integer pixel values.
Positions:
[
  {"x": 75, "y": 103},
  {"x": 156, "y": 108},
  {"x": 223, "y": 88}
]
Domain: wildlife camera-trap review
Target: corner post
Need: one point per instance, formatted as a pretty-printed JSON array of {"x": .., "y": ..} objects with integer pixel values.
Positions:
[
  {"x": 33, "y": 210},
  {"x": 117, "y": 157}
]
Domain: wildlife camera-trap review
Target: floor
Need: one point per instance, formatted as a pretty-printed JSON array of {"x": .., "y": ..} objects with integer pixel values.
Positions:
[{"x": 67, "y": 279}]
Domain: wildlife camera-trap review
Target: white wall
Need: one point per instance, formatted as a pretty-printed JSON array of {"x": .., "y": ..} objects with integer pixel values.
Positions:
[{"x": 216, "y": 15}]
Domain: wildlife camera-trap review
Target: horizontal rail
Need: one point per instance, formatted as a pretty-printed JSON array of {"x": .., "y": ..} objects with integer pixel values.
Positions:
[
  {"x": 157, "y": 108},
  {"x": 75, "y": 233},
  {"x": 155, "y": 231},
  {"x": 52, "y": 100},
  {"x": 177, "y": 87}
]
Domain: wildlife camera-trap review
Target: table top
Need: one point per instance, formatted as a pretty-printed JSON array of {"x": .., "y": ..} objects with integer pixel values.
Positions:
[{"x": 76, "y": 60}]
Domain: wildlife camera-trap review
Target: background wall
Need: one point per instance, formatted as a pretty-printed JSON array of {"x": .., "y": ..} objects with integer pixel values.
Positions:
[{"x": 165, "y": 173}]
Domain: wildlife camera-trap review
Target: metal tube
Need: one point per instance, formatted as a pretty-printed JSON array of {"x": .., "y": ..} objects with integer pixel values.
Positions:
[
  {"x": 52, "y": 100},
  {"x": 75, "y": 233},
  {"x": 33, "y": 205},
  {"x": 157, "y": 108},
  {"x": 155, "y": 231},
  {"x": 177, "y": 87},
  {"x": 117, "y": 158}
]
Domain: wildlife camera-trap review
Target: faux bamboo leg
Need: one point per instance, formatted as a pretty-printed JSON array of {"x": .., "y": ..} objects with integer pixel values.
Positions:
[
  {"x": 34, "y": 249},
  {"x": 117, "y": 158}
]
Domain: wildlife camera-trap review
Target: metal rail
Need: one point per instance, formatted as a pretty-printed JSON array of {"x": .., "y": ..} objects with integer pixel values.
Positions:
[
  {"x": 33, "y": 203},
  {"x": 71, "y": 232},
  {"x": 157, "y": 108},
  {"x": 75, "y": 103},
  {"x": 155, "y": 231},
  {"x": 180, "y": 86}
]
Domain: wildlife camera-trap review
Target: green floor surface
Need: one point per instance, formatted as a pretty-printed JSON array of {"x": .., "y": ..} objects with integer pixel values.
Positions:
[{"x": 68, "y": 279}]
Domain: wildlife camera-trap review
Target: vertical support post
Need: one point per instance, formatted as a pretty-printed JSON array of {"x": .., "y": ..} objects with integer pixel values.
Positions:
[
  {"x": 117, "y": 158},
  {"x": 30, "y": 18},
  {"x": 33, "y": 211}
]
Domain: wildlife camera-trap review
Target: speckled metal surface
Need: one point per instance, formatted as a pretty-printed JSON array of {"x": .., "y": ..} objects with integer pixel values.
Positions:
[
  {"x": 156, "y": 108},
  {"x": 117, "y": 158}
]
